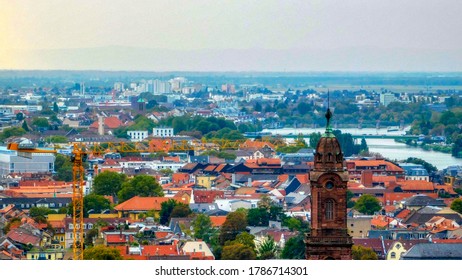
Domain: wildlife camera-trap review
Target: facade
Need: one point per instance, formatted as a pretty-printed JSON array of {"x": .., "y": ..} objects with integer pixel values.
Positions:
[
  {"x": 386, "y": 98},
  {"x": 328, "y": 238},
  {"x": 11, "y": 162},
  {"x": 137, "y": 135},
  {"x": 162, "y": 132}
]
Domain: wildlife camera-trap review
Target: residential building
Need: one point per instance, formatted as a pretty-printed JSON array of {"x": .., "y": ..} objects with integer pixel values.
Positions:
[
  {"x": 162, "y": 132},
  {"x": 137, "y": 135}
]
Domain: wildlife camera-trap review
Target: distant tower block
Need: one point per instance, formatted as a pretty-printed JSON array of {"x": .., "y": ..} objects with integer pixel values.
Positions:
[{"x": 100, "y": 125}]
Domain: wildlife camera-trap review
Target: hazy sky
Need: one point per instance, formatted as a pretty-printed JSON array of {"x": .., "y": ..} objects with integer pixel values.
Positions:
[{"x": 184, "y": 25}]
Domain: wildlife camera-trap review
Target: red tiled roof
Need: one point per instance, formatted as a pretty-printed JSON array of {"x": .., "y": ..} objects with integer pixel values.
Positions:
[
  {"x": 138, "y": 203},
  {"x": 109, "y": 122},
  {"x": 217, "y": 221},
  {"x": 403, "y": 214},
  {"x": 256, "y": 144},
  {"x": 160, "y": 250},
  {"x": 117, "y": 238},
  {"x": 17, "y": 235},
  {"x": 162, "y": 234},
  {"x": 210, "y": 168},
  {"x": 416, "y": 185},
  {"x": 207, "y": 196},
  {"x": 220, "y": 167},
  {"x": 303, "y": 178},
  {"x": 180, "y": 177}
]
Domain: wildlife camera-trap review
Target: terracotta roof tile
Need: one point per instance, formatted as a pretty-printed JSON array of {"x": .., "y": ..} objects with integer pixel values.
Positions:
[
  {"x": 217, "y": 221},
  {"x": 138, "y": 203}
]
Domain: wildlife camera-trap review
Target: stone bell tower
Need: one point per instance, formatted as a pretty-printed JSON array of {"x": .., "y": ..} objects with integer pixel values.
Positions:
[{"x": 328, "y": 238}]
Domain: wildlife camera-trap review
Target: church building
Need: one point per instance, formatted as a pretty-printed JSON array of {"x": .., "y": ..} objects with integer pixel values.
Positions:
[{"x": 328, "y": 238}]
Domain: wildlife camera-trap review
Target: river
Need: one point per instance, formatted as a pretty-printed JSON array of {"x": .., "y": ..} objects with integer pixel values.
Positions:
[{"x": 386, "y": 147}]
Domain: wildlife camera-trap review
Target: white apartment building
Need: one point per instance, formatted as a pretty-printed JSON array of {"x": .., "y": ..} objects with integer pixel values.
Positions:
[
  {"x": 137, "y": 135},
  {"x": 162, "y": 132}
]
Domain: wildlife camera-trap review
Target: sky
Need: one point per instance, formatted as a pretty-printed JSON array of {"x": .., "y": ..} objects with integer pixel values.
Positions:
[{"x": 239, "y": 34}]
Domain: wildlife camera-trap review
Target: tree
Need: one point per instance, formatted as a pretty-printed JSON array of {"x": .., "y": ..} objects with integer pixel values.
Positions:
[
  {"x": 363, "y": 147},
  {"x": 350, "y": 195},
  {"x": 244, "y": 238},
  {"x": 294, "y": 248},
  {"x": 367, "y": 204},
  {"x": 363, "y": 253},
  {"x": 457, "y": 147},
  {"x": 237, "y": 251},
  {"x": 267, "y": 249},
  {"x": 456, "y": 205},
  {"x": 257, "y": 107},
  {"x": 63, "y": 168},
  {"x": 55, "y": 108},
  {"x": 96, "y": 203},
  {"x": 314, "y": 139},
  {"x": 40, "y": 212},
  {"x": 101, "y": 252},
  {"x": 140, "y": 185},
  {"x": 166, "y": 209},
  {"x": 92, "y": 233},
  {"x": 202, "y": 227},
  {"x": 236, "y": 222},
  {"x": 57, "y": 139},
  {"x": 108, "y": 183},
  {"x": 12, "y": 223},
  {"x": 258, "y": 217},
  {"x": 40, "y": 122},
  {"x": 19, "y": 116},
  {"x": 294, "y": 224},
  {"x": 180, "y": 210},
  {"x": 11, "y": 131},
  {"x": 428, "y": 166},
  {"x": 25, "y": 126}
]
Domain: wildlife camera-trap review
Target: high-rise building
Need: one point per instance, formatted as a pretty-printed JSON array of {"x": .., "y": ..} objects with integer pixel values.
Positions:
[{"x": 387, "y": 98}]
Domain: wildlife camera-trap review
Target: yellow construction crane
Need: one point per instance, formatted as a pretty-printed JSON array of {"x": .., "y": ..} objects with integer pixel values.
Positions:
[{"x": 81, "y": 151}]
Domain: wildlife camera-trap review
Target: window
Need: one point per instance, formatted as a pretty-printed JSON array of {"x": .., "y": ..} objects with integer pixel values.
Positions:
[
  {"x": 330, "y": 209},
  {"x": 71, "y": 226},
  {"x": 393, "y": 255}
]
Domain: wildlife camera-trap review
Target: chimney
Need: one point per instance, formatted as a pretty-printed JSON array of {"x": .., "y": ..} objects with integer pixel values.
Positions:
[
  {"x": 249, "y": 181},
  {"x": 100, "y": 125},
  {"x": 233, "y": 178},
  {"x": 366, "y": 178}
]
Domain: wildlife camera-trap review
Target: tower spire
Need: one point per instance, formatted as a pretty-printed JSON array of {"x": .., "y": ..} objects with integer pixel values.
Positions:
[{"x": 328, "y": 115}]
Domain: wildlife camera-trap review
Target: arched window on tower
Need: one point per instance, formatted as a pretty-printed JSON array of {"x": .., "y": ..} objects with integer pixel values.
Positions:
[{"x": 330, "y": 209}]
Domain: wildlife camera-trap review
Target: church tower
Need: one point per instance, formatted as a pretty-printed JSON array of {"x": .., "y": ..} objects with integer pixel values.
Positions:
[{"x": 328, "y": 238}]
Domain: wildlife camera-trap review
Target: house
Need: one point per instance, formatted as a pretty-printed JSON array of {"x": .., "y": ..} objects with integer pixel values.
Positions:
[
  {"x": 50, "y": 253},
  {"x": 378, "y": 167},
  {"x": 415, "y": 172},
  {"x": 134, "y": 206},
  {"x": 399, "y": 248},
  {"x": 109, "y": 123},
  {"x": 434, "y": 251},
  {"x": 421, "y": 200},
  {"x": 359, "y": 227},
  {"x": 197, "y": 250},
  {"x": 207, "y": 196}
]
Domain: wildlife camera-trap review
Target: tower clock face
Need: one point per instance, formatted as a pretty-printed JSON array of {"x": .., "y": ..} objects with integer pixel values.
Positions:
[{"x": 329, "y": 185}]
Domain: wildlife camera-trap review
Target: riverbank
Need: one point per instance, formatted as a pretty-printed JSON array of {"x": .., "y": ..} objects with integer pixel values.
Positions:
[{"x": 442, "y": 148}]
